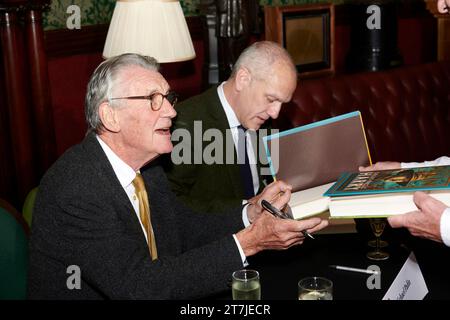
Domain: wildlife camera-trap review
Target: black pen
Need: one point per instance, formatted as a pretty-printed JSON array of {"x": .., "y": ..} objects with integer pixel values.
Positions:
[{"x": 277, "y": 213}]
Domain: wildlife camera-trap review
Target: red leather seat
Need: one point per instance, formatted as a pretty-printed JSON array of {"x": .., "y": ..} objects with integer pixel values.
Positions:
[{"x": 406, "y": 111}]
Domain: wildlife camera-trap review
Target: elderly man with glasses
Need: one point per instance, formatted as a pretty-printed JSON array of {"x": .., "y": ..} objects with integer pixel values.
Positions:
[{"x": 106, "y": 224}]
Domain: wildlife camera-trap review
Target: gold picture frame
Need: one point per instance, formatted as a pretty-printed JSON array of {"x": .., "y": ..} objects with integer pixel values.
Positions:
[{"x": 307, "y": 33}]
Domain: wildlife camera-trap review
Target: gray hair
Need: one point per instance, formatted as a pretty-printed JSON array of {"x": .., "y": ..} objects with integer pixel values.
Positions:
[
  {"x": 260, "y": 57},
  {"x": 103, "y": 80}
]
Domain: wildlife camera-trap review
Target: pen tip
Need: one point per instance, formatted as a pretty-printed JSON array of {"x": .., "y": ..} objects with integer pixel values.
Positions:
[{"x": 332, "y": 266}]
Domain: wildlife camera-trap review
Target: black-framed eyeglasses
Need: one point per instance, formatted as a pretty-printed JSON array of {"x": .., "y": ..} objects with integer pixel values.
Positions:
[{"x": 156, "y": 99}]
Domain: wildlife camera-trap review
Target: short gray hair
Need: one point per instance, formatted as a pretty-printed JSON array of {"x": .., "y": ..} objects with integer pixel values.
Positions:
[
  {"x": 260, "y": 57},
  {"x": 101, "y": 84}
]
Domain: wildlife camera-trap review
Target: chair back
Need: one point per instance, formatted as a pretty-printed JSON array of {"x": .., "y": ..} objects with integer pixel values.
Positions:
[
  {"x": 28, "y": 205},
  {"x": 13, "y": 253}
]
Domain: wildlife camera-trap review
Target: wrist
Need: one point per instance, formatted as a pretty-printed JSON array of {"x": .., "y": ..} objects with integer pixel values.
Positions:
[
  {"x": 245, "y": 238},
  {"x": 252, "y": 211}
]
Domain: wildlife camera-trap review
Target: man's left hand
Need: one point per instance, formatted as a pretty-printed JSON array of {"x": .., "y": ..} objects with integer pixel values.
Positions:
[{"x": 424, "y": 222}]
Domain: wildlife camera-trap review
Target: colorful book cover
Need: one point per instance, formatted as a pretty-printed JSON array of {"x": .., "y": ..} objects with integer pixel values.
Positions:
[{"x": 390, "y": 181}]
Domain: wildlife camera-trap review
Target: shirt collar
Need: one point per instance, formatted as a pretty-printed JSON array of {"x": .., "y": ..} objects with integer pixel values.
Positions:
[
  {"x": 231, "y": 116},
  {"x": 124, "y": 172}
]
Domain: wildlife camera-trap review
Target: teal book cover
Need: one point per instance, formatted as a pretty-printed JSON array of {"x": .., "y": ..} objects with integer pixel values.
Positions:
[{"x": 390, "y": 181}]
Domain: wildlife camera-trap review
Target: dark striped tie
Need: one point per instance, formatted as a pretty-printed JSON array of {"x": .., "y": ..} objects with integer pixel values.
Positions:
[{"x": 244, "y": 164}]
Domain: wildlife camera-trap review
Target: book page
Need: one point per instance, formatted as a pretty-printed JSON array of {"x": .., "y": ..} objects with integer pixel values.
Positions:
[
  {"x": 309, "y": 202},
  {"x": 383, "y": 205}
]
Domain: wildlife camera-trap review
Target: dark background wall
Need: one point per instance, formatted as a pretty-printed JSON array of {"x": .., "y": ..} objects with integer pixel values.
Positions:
[{"x": 72, "y": 56}]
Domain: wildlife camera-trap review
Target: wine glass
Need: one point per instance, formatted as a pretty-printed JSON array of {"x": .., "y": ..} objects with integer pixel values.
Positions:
[
  {"x": 373, "y": 243},
  {"x": 377, "y": 225},
  {"x": 315, "y": 288}
]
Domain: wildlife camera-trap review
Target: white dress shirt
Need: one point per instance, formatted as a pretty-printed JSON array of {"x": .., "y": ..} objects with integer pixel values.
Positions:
[
  {"x": 442, "y": 161},
  {"x": 445, "y": 218},
  {"x": 126, "y": 175}
]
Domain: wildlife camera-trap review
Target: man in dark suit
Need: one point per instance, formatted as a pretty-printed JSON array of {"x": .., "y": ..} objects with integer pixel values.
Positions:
[
  {"x": 263, "y": 78},
  {"x": 105, "y": 223}
]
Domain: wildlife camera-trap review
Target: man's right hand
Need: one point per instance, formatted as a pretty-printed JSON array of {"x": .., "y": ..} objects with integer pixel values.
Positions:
[{"x": 268, "y": 232}]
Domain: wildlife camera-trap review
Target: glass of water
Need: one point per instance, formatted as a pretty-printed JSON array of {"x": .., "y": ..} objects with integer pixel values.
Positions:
[
  {"x": 315, "y": 288},
  {"x": 245, "y": 285}
]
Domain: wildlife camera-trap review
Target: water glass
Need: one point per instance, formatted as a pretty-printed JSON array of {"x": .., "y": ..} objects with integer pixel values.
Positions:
[
  {"x": 245, "y": 285},
  {"x": 315, "y": 288}
]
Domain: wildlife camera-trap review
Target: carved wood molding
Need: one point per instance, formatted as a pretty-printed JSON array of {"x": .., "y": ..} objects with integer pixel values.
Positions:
[{"x": 24, "y": 5}]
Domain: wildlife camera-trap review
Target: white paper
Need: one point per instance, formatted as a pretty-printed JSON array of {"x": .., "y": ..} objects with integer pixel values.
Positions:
[{"x": 409, "y": 283}]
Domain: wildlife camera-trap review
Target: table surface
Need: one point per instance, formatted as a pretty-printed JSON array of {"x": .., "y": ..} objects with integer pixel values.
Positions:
[{"x": 280, "y": 271}]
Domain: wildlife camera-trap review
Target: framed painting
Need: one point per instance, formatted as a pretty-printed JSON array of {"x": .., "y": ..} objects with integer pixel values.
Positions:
[{"x": 307, "y": 33}]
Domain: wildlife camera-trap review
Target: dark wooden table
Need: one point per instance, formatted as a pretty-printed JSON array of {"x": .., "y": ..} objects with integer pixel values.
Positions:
[{"x": 280, "y": 271}]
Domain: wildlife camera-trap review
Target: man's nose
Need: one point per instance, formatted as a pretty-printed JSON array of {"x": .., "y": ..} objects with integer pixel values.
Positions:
[
  {"x": 274, "y": 110},
  {"x": 168, "y": 109}
]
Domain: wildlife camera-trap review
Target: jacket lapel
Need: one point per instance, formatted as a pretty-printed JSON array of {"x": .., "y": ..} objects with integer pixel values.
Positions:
[{"x": 110, "y": 181}]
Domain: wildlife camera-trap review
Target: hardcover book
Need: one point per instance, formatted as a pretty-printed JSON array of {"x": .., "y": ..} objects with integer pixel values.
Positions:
[
  {"x": 386, "y": 192},
  {"x": 312, "y": 157}
]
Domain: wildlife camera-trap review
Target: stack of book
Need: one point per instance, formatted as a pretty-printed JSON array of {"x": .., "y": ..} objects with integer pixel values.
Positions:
[{"x": 387, "y": 192}]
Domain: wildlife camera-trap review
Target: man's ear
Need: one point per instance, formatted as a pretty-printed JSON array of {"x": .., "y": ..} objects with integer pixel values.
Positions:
[
  {"x": 243, "y": 78},
  {"x": 109, "y": 117}
]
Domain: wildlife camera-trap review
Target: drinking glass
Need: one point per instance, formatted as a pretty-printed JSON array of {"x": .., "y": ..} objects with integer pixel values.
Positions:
[
  {"x": 245, "y": 285},
  {"x": 373, "y": 243},
  {"x": 377, "y": 225},
  {"x": 315, "y": 288}
]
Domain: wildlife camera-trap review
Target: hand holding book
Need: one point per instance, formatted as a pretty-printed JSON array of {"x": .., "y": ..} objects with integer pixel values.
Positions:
[
  {"x": 430, "y": 219},
  {"x": 385, "y": 165},
  {"x": 424, "y": 222}
]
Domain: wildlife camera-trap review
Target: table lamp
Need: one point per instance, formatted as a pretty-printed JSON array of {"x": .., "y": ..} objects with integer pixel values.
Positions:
[{"x": 155, "y": 28}]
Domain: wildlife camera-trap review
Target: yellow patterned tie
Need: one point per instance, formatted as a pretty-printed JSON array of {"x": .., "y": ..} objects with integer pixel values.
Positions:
[{"x": 144, "y": 214}]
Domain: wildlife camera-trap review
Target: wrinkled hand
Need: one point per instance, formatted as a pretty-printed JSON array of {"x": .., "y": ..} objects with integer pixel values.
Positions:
[
  {"x": 385, "y": 165},
  {"x": 268, "y": 232},
  {"x": 424, "y": 222},
  {"x": 277, "y": 193}
]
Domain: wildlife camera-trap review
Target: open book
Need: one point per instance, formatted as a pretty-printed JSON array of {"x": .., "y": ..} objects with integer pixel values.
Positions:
[
  {"x": 312, "y": 157},
  {"x": 386, "y": 192}
]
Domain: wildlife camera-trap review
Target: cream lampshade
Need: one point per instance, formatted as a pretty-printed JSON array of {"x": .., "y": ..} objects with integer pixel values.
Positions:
[{"x": 155, "y": 28}]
